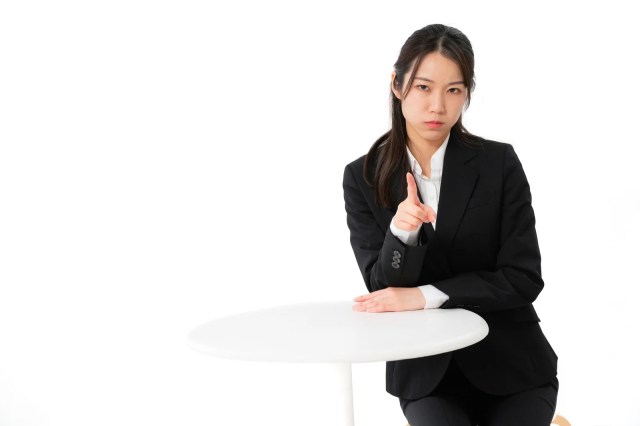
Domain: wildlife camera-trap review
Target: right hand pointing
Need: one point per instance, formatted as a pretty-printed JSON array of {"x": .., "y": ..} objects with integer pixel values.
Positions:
[{"x": 411, "y": 212}]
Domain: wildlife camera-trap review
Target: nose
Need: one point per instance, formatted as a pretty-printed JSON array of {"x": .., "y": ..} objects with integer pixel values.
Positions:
[{"x": 437, "y": 103}]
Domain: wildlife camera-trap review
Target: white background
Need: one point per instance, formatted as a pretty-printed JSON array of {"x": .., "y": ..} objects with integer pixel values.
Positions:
[{"x": 165, "y": 163}]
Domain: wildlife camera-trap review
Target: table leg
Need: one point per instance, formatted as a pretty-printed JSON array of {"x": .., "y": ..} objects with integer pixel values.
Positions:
[{"x": 345, "y": 388}]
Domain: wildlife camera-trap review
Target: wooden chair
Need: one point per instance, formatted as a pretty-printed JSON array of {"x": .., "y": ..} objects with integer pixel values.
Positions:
[{"x": 558, "y": 420}]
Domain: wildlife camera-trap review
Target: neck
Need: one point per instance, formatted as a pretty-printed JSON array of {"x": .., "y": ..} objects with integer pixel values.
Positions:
[{"x": 423, "y": 150}]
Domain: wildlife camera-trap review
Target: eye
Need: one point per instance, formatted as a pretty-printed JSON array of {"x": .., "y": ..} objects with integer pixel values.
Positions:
[
  {"x": 422, "y": 87},
  {"x": 455, "y": 90}
]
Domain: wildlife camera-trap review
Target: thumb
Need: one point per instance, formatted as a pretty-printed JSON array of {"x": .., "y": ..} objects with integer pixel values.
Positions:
[
  {"x": 430, "y": 213},
  {"x": 412, "y": 190}
]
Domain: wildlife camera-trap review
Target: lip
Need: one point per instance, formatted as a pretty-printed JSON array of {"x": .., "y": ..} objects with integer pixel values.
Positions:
[{"x": 434, "y": 124}]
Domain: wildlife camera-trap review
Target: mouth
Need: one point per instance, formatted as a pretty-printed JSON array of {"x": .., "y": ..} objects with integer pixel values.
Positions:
[{"x": 433, "y": 124}]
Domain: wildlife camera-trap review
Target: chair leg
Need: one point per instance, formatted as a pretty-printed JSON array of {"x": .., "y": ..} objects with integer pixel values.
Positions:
[{"x": 560, "y": 421}]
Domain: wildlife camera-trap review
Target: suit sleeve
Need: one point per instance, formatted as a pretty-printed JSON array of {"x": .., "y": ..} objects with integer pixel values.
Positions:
[
  {"x": 383, "y": 260},
  {"x": 516, "y": 280}
]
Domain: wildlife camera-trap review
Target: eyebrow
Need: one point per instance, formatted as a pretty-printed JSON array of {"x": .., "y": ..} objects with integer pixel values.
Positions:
[{"x": 431, "y": 81}]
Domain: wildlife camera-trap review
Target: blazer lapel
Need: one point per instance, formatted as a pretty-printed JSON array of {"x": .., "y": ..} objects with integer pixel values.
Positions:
[{"x": 458, "y": 181}]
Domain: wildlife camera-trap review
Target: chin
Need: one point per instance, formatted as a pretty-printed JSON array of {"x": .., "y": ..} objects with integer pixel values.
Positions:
[{"x": 435, "y": 136}]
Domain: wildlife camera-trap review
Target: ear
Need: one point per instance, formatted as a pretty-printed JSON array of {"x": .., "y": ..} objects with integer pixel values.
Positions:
[{"x": 395, "y": 87}]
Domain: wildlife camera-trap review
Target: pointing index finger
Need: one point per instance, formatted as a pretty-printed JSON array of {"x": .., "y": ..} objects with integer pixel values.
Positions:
[{"x": 412, "y": 190}]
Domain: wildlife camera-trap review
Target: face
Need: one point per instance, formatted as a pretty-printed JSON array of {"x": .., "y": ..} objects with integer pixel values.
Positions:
[{"x": 437, "y": 94}]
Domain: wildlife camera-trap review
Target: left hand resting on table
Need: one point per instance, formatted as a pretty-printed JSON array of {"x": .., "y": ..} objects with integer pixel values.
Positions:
[{"x": 391, "y": 299}]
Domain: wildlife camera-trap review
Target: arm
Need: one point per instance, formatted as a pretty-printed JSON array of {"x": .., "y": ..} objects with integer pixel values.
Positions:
[
  {"x": 381, "y": 257},
  {"x": 433, "y": 297},
  {"x": 516, "y": 279}
]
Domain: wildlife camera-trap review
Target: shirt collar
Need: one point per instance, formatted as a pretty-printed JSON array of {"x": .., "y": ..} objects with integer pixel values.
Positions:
[{"x": 437, "y": 160}]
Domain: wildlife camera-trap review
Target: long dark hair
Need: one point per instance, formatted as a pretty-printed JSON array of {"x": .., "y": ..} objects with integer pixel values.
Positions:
[{"x": 388, "y": 154}]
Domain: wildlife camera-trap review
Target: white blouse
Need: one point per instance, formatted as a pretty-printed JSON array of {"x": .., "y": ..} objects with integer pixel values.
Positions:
[{"x": 429, "y": 189}]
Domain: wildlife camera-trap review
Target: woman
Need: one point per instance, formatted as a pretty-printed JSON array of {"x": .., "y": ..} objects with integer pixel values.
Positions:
[{"x": 440, "y": 218}]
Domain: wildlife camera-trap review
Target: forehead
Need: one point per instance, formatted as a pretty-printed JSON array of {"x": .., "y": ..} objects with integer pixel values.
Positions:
[{"x": 439, "y": 68}]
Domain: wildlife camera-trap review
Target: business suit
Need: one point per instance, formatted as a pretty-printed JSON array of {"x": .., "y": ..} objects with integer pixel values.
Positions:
[{"x": 484, "y": 256}]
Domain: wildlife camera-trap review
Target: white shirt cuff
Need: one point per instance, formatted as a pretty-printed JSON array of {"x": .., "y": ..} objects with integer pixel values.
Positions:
[
  {"x": 434, "y": 297},
  {"x": 409, "y": 238}
]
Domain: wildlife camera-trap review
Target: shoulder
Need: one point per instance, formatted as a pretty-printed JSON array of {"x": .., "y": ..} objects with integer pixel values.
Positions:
[
  {"x": 503, "y": 151},
  {"x": 488, "y": 150},
  {"x": 354, "y": 172},
  {"x": 368, "y": 160},
  {"x": 499, "y": 160},
  {"x": 357, "y": 164},
  {"x": 485, "y": 145}
]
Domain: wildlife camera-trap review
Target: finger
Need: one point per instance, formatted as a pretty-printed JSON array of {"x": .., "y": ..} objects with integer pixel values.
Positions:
[
  {"x": 406, "y": 217},
  {"x": 364, "y": 297},
  {"x": 411, "y": 224},
  {"x": 416, "y": 211},
  {"x": 371, "y": 306},
  {"x": 358, "y": 307},
  {"x": 377, "y": 307},
  {"x": 430, "y": 214},
  {"x": 412, "y": 190}
]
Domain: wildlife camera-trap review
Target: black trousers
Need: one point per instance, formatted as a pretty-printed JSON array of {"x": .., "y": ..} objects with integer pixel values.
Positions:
[{"x": 456, "y": 402}]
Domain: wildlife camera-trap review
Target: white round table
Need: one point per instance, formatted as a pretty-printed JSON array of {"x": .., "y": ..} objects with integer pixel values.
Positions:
[{"x": 331, "y": 332}]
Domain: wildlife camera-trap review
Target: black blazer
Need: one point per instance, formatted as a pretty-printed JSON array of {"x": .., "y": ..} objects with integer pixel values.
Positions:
[{"x": 484, "y": 255}]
